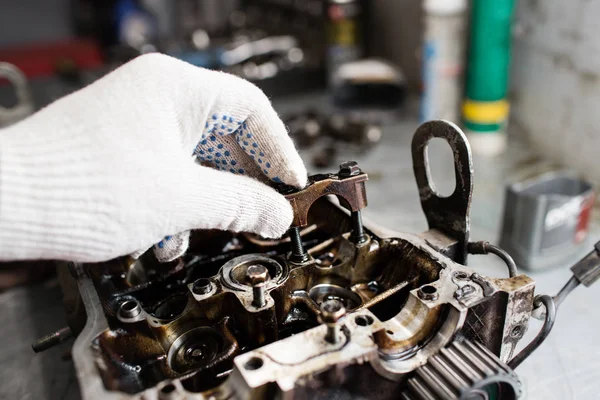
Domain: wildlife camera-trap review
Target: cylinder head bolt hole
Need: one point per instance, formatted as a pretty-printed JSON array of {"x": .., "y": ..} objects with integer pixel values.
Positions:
[
  {"x": 254, "y": 363},
  {"x": 517, "y": 331},
  {"x": 460, "y": 276},
  {"x": 363, "y": 320},
  {"x": 170, "y": 308},
  {"x": 170, "y": 388},
  {"x": 130, "y": 309},
  {"x": 195, "y": 353},
  {"x": 201, "y": 286},
  {"x": 167, "y": 392},
  {"x": 428, "y": 292}
]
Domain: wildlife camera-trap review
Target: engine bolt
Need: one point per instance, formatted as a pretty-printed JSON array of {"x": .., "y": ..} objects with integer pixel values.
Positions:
[
  {"x": 298, "y": 254},
  {"x": 349, "y": 168},
  {"x": 331, "y": 312},
  {"x": 358, "y": 233},
  {"x": 257, "y": 276}
]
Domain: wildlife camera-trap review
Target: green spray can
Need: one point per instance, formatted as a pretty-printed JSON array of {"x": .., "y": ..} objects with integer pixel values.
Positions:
[{"x": 486, "y": 108}]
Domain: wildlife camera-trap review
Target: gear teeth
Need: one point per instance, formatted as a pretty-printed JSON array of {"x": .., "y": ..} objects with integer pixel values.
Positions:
[{"x": 459, "y": 370}]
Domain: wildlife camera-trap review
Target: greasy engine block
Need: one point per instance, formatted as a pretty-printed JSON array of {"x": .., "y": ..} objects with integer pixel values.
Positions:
[{"x": 334, "y": 309}]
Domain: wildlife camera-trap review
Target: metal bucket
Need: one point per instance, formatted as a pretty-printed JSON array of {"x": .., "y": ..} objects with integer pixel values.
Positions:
[{"x": 546, "y": 219}]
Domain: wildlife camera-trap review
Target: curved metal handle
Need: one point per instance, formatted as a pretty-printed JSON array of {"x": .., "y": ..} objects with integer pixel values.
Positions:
[
  {"x": 24, "y": 105},
  {"x": 449, "y": 215}
]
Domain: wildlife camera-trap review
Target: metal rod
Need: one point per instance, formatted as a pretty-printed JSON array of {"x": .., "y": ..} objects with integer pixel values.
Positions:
[
  {"x": 548, "y": 302},
  {"x": 565, "y": 291},
  {"x": 358, "y": 233},
  {"x": 484, "y": 247},
  {"x": 298, "y": 253},
  {"x": 52, "y": 339},
  {"x": 258, "y": 294},
  {"x": 258, "y": 275}
]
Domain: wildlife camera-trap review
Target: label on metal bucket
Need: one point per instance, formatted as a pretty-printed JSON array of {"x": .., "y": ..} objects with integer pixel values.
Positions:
[
  {"x": 569, "y": 220},
  {"x": 583, "y": 221}
]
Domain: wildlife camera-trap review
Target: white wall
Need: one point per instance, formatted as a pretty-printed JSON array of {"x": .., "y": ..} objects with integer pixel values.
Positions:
[{"x": 555, "y": 84}]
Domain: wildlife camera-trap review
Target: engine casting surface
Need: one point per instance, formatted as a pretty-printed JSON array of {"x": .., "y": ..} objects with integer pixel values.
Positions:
[{"x": 335, "y": 308}]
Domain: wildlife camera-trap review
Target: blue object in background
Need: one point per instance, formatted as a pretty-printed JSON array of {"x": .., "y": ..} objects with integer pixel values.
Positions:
[{"x": 134, "y": 26}]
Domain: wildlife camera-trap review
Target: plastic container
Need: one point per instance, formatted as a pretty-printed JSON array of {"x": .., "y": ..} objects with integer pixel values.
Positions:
[{"x": 443, "y": 59}]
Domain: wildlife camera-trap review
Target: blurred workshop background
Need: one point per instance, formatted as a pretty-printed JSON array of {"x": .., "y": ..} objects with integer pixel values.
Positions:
[{"x": 352, "y": 79}]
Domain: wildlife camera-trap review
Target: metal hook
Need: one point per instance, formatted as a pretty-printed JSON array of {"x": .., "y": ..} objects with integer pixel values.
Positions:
[{"x": 449, "y": 215}]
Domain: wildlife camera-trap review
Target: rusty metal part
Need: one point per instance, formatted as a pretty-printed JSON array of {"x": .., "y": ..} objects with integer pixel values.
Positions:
[
  {"x": 449, "y": 215},
  {"x": 220, "y": 326},
  {"x": 550, "y": 318},
  {"x": 258, "y": 275},
  {"x": 52, "y": 339},
  {"x": 348, "y": 185},
  {"x": 428, "y": 292},
  {"x": 331, "y": 312},
  {"x": 197, "y": 338},
  {"x": 201, "y": 286}
]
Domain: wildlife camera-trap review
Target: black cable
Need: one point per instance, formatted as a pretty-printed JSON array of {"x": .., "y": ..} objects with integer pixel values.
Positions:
[
  {"x": 484, "y": 247},
  {"x": 565, "y": 291},
  {"x": 548, "y": 302}
]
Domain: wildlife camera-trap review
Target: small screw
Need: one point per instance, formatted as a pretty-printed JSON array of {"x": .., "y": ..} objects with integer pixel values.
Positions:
[
  {"x": 257, "y": 276},
  {"x": 298, "y": 254},
  {"x": 52, "y": 339},
  {"x": 517, "y": 331},
  {"x": 331, "y": 312},
  {"x": 465, "y": 291},
  {"x": 427, "y": 292},
  {"x": 460, "y": 275},
  {"x": 349, "y": 168}
]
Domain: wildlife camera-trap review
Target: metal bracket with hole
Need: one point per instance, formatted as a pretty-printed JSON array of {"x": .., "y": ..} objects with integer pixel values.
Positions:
[
  {"x": 24, "y": 106},
  {"x": 450, "y": 215}
]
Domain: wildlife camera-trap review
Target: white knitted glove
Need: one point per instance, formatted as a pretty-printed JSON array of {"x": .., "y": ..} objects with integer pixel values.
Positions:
[{"x": 109, "y": 170}]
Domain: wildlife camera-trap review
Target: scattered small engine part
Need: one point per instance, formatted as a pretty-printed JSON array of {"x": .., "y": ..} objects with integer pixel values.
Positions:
[
  {"x": 306, "y": 128},
  {"x": 341, "y": 306},
  {"x": 353, "y": 130},
  {"x": 325, "y": 156},
  {"x": 369, "y": 83},
  {"x": 546, "y": 219},
  {"x": 314, "y": 129}
]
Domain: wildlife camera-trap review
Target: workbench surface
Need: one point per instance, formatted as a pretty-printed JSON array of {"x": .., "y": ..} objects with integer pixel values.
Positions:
[{"x": 566, "y": 366}]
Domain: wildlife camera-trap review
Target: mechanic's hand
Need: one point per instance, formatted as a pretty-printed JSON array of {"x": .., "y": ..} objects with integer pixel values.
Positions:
[{"x": 111, "y": 169}]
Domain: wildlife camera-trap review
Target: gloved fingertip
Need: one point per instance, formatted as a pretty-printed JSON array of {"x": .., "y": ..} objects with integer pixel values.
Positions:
[
  {"x": 297, "y": 177},
  {"x": 298, "y": 180},
  {"x": 172, "y": 247},
  {"x": 279, "y": 218},
  {"x": 137, "y": 254}
]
